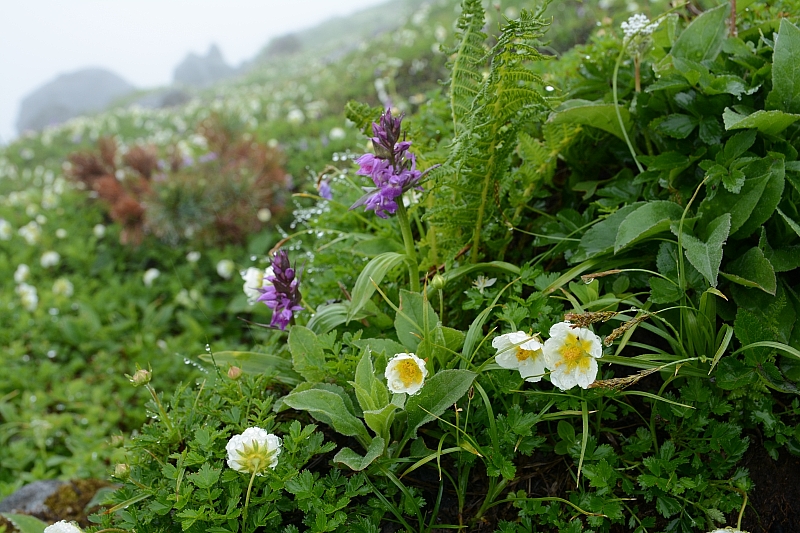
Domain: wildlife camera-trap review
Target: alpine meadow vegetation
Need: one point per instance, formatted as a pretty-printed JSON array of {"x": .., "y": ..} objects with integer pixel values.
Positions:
[{"x": 510, "y": 267}]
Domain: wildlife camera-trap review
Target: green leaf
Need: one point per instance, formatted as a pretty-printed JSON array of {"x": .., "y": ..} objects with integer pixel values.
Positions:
[
  {"x": 26, "y": 523},
  {"x": 792, "y": 224},
  {"x": 255, "y": 363},
  {"x": 380, "y": 420},
  {"x": 206, "y": 477},
  {"x": 769, "y": 122},
  {"x": 738, "y": 144},
  {"x": 329, "y": 316},
  {"x": 371, "y": 393},
  {"x": 649, "y": 219},
  {"x": 676, "y": 125},
  {"x": 704, "y": 37},
  {"x": 706, "y": 256},
  {"x": 438, "y": 394},
  {"x": 753, "y": 270},
  {"x": 375, "y": 246},
  {"x": 415, "y": 320},
  {"x": 358, "y": 462},
  {"x": 307, "y": 354},
  {"x": 733, "y": 374},
  {"x": 327, "y": 407},
  {"x": 599, "y": 239},
  {"x": 597, "y": 115},
  {"x": 663, "y": 291},
  {"x": 371, "y": 276},
  {"x": 785, "y": 94}
]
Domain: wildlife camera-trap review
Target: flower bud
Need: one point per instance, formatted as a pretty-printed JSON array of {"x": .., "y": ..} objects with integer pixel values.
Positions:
[
  {"x": 438, "y": 282},
  {"x": 141, "y": 377},
  {"x": 122, "y": 471},
  {"x": 234, "y": 372}
]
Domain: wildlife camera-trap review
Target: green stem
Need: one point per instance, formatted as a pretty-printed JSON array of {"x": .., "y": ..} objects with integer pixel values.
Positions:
[
  {"x": 164, "y": 416},
  {"x": 616, "y": 109},
  {"x": 247, "y": 498},
  {"x": 411, "y": 251}
]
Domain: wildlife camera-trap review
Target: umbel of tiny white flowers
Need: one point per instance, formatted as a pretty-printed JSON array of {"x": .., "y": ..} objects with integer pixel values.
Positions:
[
  {"x": 405, "y": 372},
  {"x": 62, "y": 527},
  {"x": 520, "y": 351},
  {"x": 253, "y": 451},
  {"x": 571, "y": 356}
]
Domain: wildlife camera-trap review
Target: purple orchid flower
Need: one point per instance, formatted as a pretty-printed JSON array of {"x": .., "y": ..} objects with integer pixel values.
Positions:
[{"x": 280, "y": 292}]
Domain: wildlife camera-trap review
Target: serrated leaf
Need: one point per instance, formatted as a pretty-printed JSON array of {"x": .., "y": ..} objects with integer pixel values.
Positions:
[
  {"x": 372, "y": 275},
  {"x": 438, "y": 394},
  {"x": 206, "y": 477},
  {"x": 769, "y": 122},
  {"x": 26, "y": 523},
  {"x": 650, "y": 219},
  {"x": 598, "y": 115},
  {"x": 753, "y": 270},
  {"x": 785, "y": 94},
  {"x": 308, "y": 357},
  {"x": 327, "y": 407},
  {"x": 704, "y": 37},
  {"x": 358, "y": 462},
  {"x": 706, "y": 256},
  {"x": 255, "y": 363}
]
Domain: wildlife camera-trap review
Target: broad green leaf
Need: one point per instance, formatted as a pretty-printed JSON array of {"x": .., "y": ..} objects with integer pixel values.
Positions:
[
  {"x": 676, "y": 125},
  {"x": 706, "y": 256},
  {"x": 371, "y": 393},
  {"x": 375, "y": 246},
  {"x": 753, "y": 270},
  {"x": 733, "y": 374},
  {"x": 26, "y": 523},
  {"x": 751, "y": 328},
  {"x": 255, "y": 363},
  {"x": 415, "y": 320},
  {"x": 703, "y": 38},
  {"x": 438, "y": 394},
  {"x": 769, "y": 122},
  {"x": 453, "y": 338},
  {"x": 599, "y": 239},
  {"x": 747, "y": 210},
  {"x": 649, "y": 219},
  {"x": 598, "y": 115},
  {"x": 327, "y": 407},
  {"x": 380, "y": 420},
  {"x": 329, "y": 316},
  {"x": 307, "y": 355},
  {"x": 738, "y": 144},
  {"x": 785, "y": 94},
  {"x": 358, "y": 462},
  {"x": 663, "y": 291},
  {"x": 728, "y": 84},
  {"x": 371, "y": 276},
  {"x": 792, "y": 224}
]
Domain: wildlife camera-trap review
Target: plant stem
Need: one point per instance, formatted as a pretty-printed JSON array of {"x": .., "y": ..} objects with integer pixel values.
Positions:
[
  {"x": 616, "y": 108},
  {"x": 408, "y": 241},
  {"x": 161, "y": 410},
  {"x": 247, "y": 498}
]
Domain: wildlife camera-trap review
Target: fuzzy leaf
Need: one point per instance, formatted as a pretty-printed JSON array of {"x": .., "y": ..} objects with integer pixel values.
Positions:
[
  {"x": 416, "y": 319},
  {"x": 598, "y": 115},
  {"x": 785, "y": 94},
  {"x": 649, "y": 219},
  {"x": 438, "y": 394},
  {"x": 357, "y": 462},
  {"x": 327, "y": 407},
  {"x": 704, "y": 37},
  {"x": 706, "y": 256},
  {"x": 307, "y": 355},
  {"x": 753, "y": 270},
  {"x": 371, "y": 393},
  {"x": 25, "y": 523},
  {"x": 769, "y": 122},
  {"x": 663, "y": 291},
  {"x": 792, "y": 224}
]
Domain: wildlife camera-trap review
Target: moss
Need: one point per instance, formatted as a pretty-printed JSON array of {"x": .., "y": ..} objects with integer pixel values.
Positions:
[{"x": 69, "y": 502}]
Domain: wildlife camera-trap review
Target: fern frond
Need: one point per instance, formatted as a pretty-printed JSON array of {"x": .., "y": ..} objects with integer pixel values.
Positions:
[
  {"x": 362, "y": 115},
  {"x": 470, "y": 57}
]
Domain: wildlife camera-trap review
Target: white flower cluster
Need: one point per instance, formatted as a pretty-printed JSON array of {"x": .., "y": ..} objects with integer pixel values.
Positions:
[
  {"x": 570, "y": 354},
  {"x": 638, "y": 25}
]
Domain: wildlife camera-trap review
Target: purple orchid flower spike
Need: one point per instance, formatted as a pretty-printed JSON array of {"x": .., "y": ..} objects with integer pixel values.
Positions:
[{"x": 280, "y": 292}]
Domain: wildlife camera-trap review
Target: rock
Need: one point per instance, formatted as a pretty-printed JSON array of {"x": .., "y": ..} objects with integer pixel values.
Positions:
[
  {"x": 71, "y": 95},
  {"x": 30, "y": 498},
  {"x": 197, "y": 71}
]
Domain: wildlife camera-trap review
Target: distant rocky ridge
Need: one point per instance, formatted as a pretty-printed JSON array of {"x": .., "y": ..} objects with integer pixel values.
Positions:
[
  {"x": 70, "y": 95},
  {"x": 203, "y": 71}
]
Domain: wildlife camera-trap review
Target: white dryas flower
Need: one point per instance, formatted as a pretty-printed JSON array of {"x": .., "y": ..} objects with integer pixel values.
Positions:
[
  {"x": 295, "y": 116},
  {"x": 225, "y": 268},
  {"x": 22, "y": 273},
  {"x": 5, "y": 229},
  {"x": 405, "y": 372},
  {"x": 638, "y": 25},
  {"x": 61, "y": 233},
  {"x": 727, "y": 530},
  {"x": 150, "y": 276},
  {"x": 63, "y": 527},
  {"x": 337, "y": 134},
  {"x": 49, "y": 259},
  {"x": 28, "y": 296},
  {"x": 255, "y": 279},
  {"x": 571, "y": 356},
  {"x": 30, "y": 232},
  {"x": 193, "y": 257},
  {"x": 63, "y": 287},
  {"x": 99, "y": 231},
  {"x": 253, "y": 451},
  {"x": 520, "y": 351}
]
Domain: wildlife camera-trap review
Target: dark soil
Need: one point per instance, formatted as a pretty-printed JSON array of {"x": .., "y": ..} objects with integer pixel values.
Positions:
[{"x": 774, "y": 505}]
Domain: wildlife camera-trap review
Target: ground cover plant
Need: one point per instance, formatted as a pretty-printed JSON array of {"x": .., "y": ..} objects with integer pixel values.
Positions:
[{"x": 555, "y": 295}]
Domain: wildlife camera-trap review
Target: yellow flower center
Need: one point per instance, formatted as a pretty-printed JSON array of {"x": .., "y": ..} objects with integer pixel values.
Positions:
[
  {"x": 575, "y": 353},
  {"x": 409, "y": 372},
  {"x": 255, "y": 458},
  {"x": 522, "y": 355}
]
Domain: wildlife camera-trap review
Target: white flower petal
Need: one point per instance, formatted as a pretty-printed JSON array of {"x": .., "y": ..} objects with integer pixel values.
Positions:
[{"x": 397, "y": 369}]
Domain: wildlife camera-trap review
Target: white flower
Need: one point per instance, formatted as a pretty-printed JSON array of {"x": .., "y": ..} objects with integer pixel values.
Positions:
[
  {"x": 405, "y": 372},
  {"x": 253, "y": 451},
  {"x": 225, "y": 268},
  {"x": 264, "y": 214},
  {"x": 99, "y": 231},
  {"x": 638, "y": 25},
  {"x": 41, "y": 219},
  {"x": 5, "y": 229},
  {"x": 295, "y": 116},
  {"x": 482, "y": 282},
  {"x": 337, "y": 134},
  {"x": 727, "y": 530},
  {"x": 30, "y": 232},
  {"x": 61, "y": 233},
  {"x": 520, "y": 351},
  {"x": 571, "y": 356},
  {"x": 49, "y": 259},
  {"x": 28, "y": 296},
  {"x": 150, "y": 276},
  {"x": 63, "y": 287},
  {"x": 62, "y": 527},
  {"x": 22, "y": 273},
  {"x": 255, "y": 279},
  {"x": 193, "y": 257}
]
